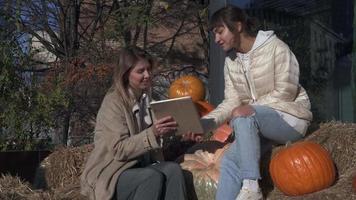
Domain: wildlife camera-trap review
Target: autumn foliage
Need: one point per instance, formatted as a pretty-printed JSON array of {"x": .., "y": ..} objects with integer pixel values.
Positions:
[{"x": 75, "y": 72}]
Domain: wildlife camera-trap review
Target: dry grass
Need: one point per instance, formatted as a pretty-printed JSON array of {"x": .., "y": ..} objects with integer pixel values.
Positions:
[{"x": 13, "y": 188}]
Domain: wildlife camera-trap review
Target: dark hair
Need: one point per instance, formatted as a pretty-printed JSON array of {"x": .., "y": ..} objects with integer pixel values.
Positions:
[{"x": 229, "y": 15}]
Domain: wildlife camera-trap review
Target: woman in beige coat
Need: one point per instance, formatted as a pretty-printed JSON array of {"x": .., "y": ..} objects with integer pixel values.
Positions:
[
  {"x": 264, "y": 101},
  {"x": 125, "y": 161}
]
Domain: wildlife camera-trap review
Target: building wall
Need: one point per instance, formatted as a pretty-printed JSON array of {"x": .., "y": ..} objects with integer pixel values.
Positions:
[{"x": 41, "y": 54}]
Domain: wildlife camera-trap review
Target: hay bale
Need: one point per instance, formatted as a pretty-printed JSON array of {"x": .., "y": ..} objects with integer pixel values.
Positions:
[
  {"x": 70, "y": 192},
  {"x": 59, "y": 173},
  {"x": 62, "y": 168},
  {"x": 340, "y": 140},
  {"x": 13, "y": 188},
  {"x": 341, "y": 190}
]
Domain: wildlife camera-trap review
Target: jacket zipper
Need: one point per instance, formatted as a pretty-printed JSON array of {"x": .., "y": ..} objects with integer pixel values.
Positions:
[{"x": 248, "y": 82}]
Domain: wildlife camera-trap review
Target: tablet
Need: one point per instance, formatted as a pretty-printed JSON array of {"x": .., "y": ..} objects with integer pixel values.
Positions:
[{"x": 184, "y": 112}]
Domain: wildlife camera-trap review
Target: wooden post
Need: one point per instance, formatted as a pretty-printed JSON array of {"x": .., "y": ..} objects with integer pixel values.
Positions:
[
  {"x": 217, "y": 55},
  {"x": 353, "y": 69},
  {"x": 216, "y": 61}
]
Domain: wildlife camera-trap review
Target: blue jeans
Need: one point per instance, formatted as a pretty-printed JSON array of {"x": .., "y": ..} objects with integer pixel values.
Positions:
[{"x": 254, "y": 136}]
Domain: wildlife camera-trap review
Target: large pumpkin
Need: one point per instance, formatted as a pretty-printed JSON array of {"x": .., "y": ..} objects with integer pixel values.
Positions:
[
  {"x": 204, "y": 107},
  {"x": 302, "y": 168},
  {"x": 204, "y": 165},
  {"x": 187, "y": 86}
]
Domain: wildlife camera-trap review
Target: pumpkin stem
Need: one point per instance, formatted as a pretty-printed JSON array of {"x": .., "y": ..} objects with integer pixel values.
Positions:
[{"x": 288, "y": 143}]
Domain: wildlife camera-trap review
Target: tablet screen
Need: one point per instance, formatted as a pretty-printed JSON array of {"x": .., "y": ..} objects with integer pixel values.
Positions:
[{"x": 184, "y": 112}]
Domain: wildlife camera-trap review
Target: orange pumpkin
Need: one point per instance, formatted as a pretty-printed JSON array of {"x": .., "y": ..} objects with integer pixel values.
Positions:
[
  {"x": 187, "y": 86},
  {"x": 222, "y": 133},
  {"x": 204, "y": 165},
  {"x": 204, "y": 107},
  {"x": 302, "y": 168}
]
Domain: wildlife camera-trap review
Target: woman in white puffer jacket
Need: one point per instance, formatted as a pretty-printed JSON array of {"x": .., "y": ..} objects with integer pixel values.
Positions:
[{"x": 264, "y": 101}]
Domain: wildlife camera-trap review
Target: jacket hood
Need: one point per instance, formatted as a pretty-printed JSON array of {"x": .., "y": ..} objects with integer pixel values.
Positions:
[{"x": 262, "y": 38}]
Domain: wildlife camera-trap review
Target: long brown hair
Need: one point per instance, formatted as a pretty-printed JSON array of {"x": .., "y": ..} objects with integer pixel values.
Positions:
[
  {"x": 229, "y": 15},
  {"x": 128, "y": 57}
]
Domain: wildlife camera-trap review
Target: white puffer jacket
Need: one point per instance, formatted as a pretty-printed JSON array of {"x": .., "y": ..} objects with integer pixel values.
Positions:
[{"x": 272, "y": 79}]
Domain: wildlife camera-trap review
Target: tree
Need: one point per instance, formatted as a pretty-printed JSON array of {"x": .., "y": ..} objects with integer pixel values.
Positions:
[
  {"x": 83, "y": 36},
  {"x": 25, "y": 111},
  {"x": 64, "y": 28}
]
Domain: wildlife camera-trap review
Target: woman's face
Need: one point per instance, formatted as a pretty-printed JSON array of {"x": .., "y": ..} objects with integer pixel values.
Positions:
[
  {"x": 225, "y": 38},
  {"x": 140, "y": 75}
]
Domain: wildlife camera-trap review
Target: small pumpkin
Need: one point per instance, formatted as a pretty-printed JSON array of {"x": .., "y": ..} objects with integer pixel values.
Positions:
[
  {"x": 187, "y": 85},
  {"x": 204, "y": 107},
  {"x": 222, "y": 133},
  {"x": 302, "y": 168},
  {"x": 204, "y": 165}
]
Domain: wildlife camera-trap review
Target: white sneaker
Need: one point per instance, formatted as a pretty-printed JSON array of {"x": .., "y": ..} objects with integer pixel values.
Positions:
[{"x": 246, "y": 194}]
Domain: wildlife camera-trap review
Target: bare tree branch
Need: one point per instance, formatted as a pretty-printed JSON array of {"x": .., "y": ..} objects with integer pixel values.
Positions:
[{"x": 174, "y": 38}]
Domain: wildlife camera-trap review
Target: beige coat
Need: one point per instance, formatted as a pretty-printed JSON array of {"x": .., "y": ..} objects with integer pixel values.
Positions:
[
  {"x": 271, "y": 80},
  {"x": 117, "y": 147}
]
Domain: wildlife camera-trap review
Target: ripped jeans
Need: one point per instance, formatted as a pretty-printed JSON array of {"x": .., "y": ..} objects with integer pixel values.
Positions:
[{"x": 254, "y": 136}]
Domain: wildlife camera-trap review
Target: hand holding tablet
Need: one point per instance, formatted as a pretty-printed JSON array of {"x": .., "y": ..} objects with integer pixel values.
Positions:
[{"x": 182, "y": 110}]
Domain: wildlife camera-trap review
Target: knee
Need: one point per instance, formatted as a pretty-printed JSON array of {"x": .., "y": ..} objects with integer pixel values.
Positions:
[
  {"x": 241, "y": 122},
  {"x": 153, "y": 176},
  {"x": 172, "y": 166},
  {"x": 243, "y": 111},
  {"x": 172, "y": 169}
]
